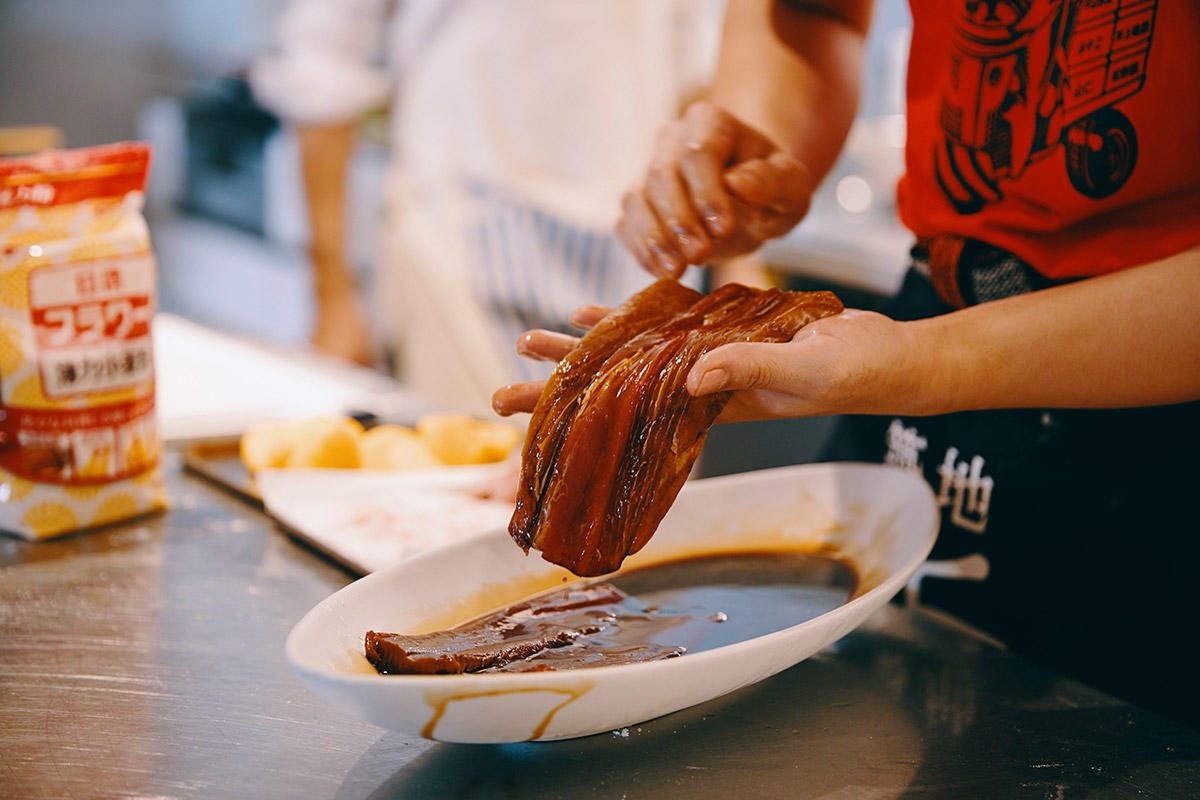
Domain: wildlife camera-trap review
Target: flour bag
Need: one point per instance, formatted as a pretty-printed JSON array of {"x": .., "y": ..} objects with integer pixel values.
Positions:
[{"x": 79, "y": 446}]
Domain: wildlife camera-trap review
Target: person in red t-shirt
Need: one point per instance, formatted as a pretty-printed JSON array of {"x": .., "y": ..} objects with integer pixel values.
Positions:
[{"x": 1040, "y": 361}]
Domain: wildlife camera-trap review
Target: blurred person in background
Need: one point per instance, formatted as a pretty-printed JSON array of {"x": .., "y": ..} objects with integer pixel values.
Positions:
[
  {"x": 1040, "y": 365},
  {"x": 515, "y": 127}
]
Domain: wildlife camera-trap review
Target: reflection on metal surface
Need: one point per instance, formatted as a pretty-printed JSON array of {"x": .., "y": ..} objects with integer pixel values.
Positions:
[
  {"x": 78, "y": 642},
  {"x": 146, "y": 660}
]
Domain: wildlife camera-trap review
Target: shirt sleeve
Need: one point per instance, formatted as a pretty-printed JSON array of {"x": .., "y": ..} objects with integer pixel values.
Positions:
[{"x": 328, "y": 66}]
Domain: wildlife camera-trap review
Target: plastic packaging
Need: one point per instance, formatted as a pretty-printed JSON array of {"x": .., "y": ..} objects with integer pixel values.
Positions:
[{"x": 79, "y": 445}]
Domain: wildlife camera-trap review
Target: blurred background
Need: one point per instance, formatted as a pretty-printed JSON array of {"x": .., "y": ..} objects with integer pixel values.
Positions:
[
  {"x": 172, "y": 73},
  {"x": 226, "y": 201}
]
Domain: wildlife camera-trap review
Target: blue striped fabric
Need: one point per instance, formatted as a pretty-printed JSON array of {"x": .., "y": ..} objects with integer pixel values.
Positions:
[{"x": 533, "y": 268}]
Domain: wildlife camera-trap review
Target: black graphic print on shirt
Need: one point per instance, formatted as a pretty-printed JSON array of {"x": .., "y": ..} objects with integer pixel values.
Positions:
[{"x": 1026, "y": 76}]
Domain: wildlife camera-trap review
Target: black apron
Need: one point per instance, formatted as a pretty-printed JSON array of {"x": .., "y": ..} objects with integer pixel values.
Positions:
[{"x": 1085, "y": 523}]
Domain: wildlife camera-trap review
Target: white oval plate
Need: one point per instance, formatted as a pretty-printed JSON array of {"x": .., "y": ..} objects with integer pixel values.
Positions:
[{"x": 883, "y": 519}]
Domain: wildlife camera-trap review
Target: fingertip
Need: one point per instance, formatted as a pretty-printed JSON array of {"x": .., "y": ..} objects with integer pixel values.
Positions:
[
  {"x": 498, "y": 401},
  {"x": 699, "y": 367},
  {"x": 655, "y": 269},
  {"x": 524, "y": 345},
  {"x": 667, "y": 264},
  {"x": 709, "y": 381},
  {"x": 706, "y": 376},
  {"x": 782, "y": 159},
  {"x": 747, "y": 185},
  {"x": 742, "y": 180},
  {"x": 644, "y": 259},
  {"x": 587, "y": 315},
  {"x": 717, "y": 214},
  {"x": 693, "y": 242},
  {"x": 718, "y": 223},
  {"x": 796, "y": 182}
]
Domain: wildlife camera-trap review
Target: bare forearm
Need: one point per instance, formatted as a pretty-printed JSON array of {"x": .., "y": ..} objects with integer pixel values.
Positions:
[
  {"x": 792, "y": 70},
  {"x": 1127, "y": 339},
  {"x": 325, "y": 153},
  {"x": 340, "y": 327}
]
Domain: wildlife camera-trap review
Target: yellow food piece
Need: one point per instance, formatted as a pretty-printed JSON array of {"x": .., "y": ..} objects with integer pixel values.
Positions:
[
  {"x": 395, "y": 447},
  {"x": 266, "y": 446},
  {"x": 457, "y": 439},
  {"x": 341, "y": 443},
  {"x": 319, "y": 442},
  {"x": 333, "y": 448}
]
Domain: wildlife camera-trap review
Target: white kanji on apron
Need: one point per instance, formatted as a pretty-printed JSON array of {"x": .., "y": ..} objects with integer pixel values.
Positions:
[
  {"x": 904, "y": 446},
  {"x": 966, "y": 490},
  {"x": 963, "y": 487}
]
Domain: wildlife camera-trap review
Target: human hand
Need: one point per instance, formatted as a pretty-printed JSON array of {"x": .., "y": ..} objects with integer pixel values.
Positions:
[
  {"x": 340, "y": 328},
  {"x": 520, "y": 398},
  {"x": 854, "y": 362},
  {"x": 715, "y": 188}
]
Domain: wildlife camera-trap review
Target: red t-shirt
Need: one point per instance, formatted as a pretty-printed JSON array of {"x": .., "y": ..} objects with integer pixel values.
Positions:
[{"x": 1064, "y": 131}]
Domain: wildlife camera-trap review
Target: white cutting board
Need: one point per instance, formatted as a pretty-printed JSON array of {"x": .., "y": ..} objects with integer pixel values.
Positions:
[{"x": 369, "y": 520}]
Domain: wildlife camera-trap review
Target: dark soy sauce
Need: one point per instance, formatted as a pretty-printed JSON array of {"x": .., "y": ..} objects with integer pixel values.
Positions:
[
  {"x": 757, "y": 593},
  {"x": 698, "y": 604}
]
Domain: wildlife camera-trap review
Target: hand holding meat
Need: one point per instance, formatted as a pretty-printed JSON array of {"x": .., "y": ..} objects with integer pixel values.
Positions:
[
  {"x": 856, "y": 361},
  {"x": 614, "y": 432}
]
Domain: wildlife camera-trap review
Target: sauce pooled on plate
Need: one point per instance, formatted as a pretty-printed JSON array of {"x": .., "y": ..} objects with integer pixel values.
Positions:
[{"x": 661, "y": 611}]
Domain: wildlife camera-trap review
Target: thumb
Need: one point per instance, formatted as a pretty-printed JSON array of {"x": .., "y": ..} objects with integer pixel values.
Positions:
[
  {"x": 780, "y": 182},
  {"x": 738, "y": 366}
]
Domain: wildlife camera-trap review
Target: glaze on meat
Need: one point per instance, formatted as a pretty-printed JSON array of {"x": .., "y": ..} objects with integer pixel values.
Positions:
[
  {"x": 615, "y": 433},
  {"x": 511, "y": 640}
]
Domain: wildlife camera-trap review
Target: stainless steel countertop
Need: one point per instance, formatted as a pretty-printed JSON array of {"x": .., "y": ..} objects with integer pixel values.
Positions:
[{"x": 146, "y": 660}]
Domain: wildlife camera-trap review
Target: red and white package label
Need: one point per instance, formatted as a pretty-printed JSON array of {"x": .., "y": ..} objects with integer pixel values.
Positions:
[
  {"x": 91, "y": 322},
  {"x": 92, "y": 281},
  {"x": 96, "y": 369}
]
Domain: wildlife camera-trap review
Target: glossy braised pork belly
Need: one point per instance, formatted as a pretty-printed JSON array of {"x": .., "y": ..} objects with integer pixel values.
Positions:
[
  {"x": 534, "y": 635},
  {"x": 615, "y": 433}
]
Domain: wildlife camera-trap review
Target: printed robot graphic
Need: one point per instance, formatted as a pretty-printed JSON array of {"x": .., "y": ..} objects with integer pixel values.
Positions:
[{"x": 1025, "y": 76}]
